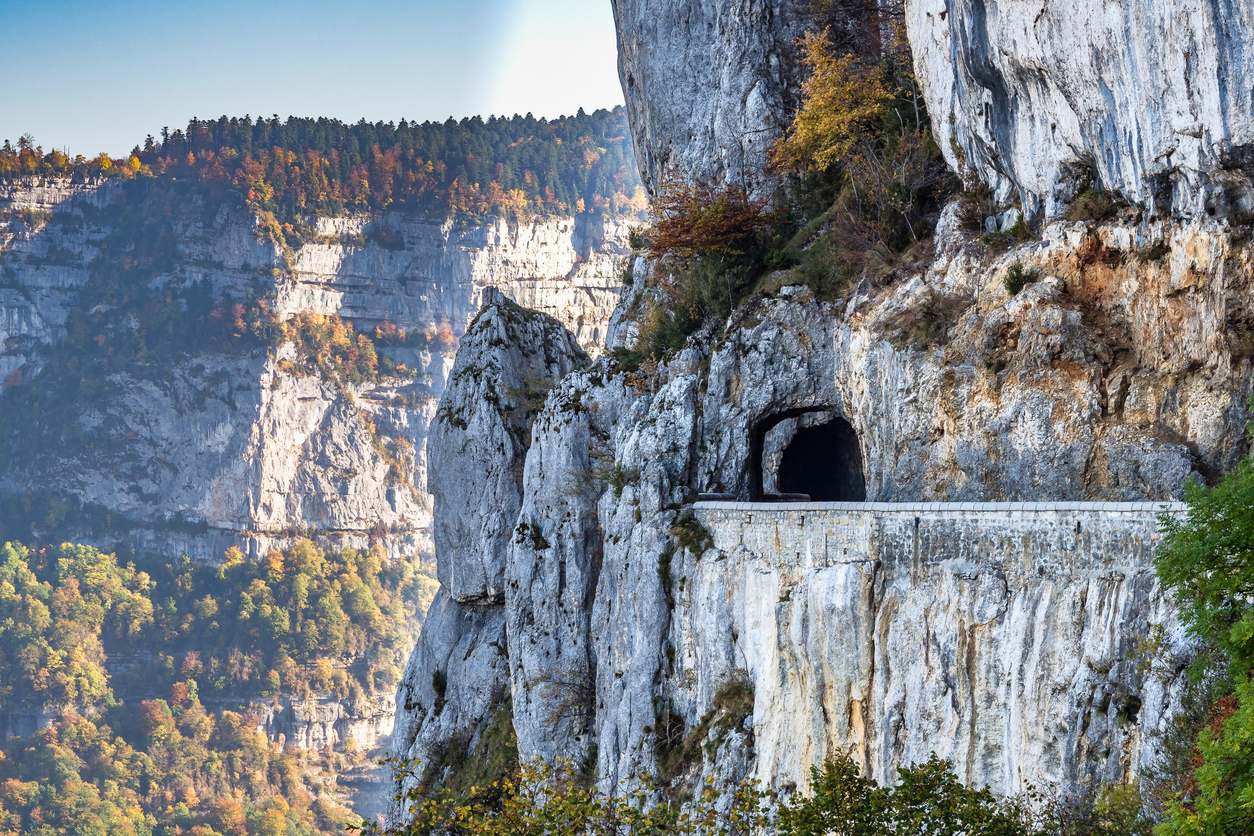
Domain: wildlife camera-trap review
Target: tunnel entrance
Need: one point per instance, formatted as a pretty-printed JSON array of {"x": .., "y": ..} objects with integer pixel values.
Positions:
[
  {"x": 825, "y": 462},
  {"x": 807, "y": 453}
]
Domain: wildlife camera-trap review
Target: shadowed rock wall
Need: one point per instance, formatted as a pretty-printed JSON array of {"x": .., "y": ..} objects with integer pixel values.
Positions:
[
  {"x": 709, "y": 84},
  {"x": 218, "y": 447}
]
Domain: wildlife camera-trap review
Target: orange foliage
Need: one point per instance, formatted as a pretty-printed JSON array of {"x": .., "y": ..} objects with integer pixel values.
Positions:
[
  {"x": 706, "y": 218},
  {"x": 521, "y": 167}
]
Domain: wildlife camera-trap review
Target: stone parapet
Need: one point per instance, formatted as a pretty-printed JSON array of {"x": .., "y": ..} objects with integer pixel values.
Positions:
[{"x": 1016, "y": 537}]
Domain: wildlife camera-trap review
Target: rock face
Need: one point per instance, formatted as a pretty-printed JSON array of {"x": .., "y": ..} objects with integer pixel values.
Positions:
[
  {"x": 319, "y": 721},
  {"x": 1060, "y": 392},
  {"x": 708, "y": 83},
  {"x": 220, "y": 449},
  {"x": 1005, "y": 639},
  {"x": 1156, "y": 99},
  {"x": 481, "y": 433},
  {"x": 458, "y": 678},
  {"x": 1002, "y": 640},
  {"x": 1112, "y": 377},
  {"x": 25, "y": 723}
]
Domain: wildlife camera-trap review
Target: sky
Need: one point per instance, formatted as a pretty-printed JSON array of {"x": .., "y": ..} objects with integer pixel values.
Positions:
[{"x": 99, "y": 75}]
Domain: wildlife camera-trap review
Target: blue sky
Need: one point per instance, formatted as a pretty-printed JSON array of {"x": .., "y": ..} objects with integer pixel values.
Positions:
[{"x": 99, "y": 76}]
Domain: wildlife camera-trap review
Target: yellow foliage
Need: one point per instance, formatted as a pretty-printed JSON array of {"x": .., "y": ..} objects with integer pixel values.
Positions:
[
  {"x": 232, "y": 557},
  {"x": 842, "y": 100}
]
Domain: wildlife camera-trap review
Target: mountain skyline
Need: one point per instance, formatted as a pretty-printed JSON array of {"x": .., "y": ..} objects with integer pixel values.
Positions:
[{"x": 92, "y": 78}]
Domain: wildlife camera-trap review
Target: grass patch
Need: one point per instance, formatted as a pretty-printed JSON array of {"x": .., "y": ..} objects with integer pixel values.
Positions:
[
  {"x": 733, "y": 702},
  {"x": 678, "y": 749},
  {"x": 1021, "y": 231},
  {"x": 1093, "y": 206},
  {"x": 620, "y": 477},
  {"x": 664, "y": 575},
  {"x": 690, "y": 534},
  {"x": 927, "y": 325}
]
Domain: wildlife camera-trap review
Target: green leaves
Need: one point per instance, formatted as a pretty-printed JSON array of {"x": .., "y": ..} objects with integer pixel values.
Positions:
[
  {"x": 928, "y": 800},
  {"x": 540, "y": 799},
  {"x": 551, "y": 800},
  {"x": 1206, "y": 561}
]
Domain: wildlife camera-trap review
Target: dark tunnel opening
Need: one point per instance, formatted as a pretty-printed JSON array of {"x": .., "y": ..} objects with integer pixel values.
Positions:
[
  {"x": 821, "y": 460},
  {"x": 824, "y": 462}
]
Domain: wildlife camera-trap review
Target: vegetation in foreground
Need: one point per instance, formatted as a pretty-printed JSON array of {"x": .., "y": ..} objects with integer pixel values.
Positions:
[
  {"x": 926, "y": 800},
  {"x": 137, "y": 751},
  {"x": 1206, "y": 561}
]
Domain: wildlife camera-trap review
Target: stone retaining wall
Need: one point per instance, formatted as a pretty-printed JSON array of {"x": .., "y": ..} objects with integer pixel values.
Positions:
[{"x": 1004, "y": 637}]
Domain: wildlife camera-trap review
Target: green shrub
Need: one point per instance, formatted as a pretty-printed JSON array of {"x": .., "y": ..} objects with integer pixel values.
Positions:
[
  {"x": 733, "y": 701},
  {"x": 1021, "y": 231},
  {"x": 1206, "y": 562},
  {"x": 998, "y": 241},
  {"x": 1018, "y": 277},
  {"x": 928, "y": 800},
  {"x": 537, "y": 798},
  {"x": 823, "y": 270},
  {"x": 976, "y": 205},
  {"x": 620, "y": 477},
  {"x": 927, "y": 324},
  {"x": 663, "y": 331},
  {"x": 493, "y": 759},
  {"x": 690, "y": 534},
  {"x": 781, "y": 259},
  {"x": 625, "y": 359},
  {"x": 664, "y": 575},
  {"x": 638, "y": 239}
]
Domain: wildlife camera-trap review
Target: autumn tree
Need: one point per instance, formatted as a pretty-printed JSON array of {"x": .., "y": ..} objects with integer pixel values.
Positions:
[
  {"x": 708, "y": 218},
  {"x": 843, "y": 100}
]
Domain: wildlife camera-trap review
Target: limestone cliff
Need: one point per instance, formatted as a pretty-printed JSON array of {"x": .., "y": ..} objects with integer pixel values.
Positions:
[
  {"x": 1003, "y": 637},
  {"x": 217, "y": 449},
  {"x": 1002, "y": 641},
  {"x": 708, "y": 83},
  {"x": 1037, "y": 98},
  {"x": 1156, "y": 99},
  {"x": 458, "y": 678}
]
